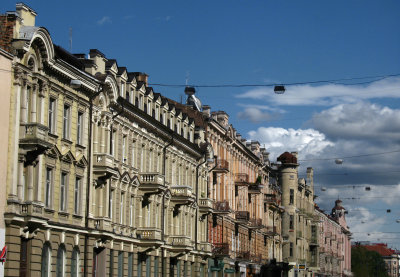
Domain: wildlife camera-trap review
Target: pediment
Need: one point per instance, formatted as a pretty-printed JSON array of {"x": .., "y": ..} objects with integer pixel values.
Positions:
[
  {"x": 54, "y": 152},
  {"x": 125, "y": 178},
  {"x": 68, "y": 157},
  {"x": 82, "y": 162}
]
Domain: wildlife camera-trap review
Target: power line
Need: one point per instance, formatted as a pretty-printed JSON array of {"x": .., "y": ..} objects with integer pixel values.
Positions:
[
  {"x": 352, "y": 157},
  {"x": 334, "y": 81}
]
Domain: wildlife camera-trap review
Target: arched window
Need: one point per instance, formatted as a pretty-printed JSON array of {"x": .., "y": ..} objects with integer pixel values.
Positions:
[
  {"x": 75, "y": 263},
  {"x": 60, "y": 261},
  {"x": 46, "y": 260}
]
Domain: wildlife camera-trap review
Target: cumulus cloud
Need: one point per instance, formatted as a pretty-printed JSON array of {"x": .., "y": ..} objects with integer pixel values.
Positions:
[
  {"x": 255, "y": 115},
  {"x": 279, "y": 140},
  {"x": 104, "y": 20},
  {"x": 327, "y": 95}
]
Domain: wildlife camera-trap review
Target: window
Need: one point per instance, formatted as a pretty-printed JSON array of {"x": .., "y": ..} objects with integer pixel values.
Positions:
[
  {"x": 111, "y": 263},
  {"x": 66, "y": 122},
  {"x": 110, "y": 206},
  {"x": 122, "y": 89},
  {"x": 49, "y": 186},
  {"x": 291, "y": 222},
  {"x": 148, "y": 265},
  {"x": 52, "y": 116},
  {"x": 79, "y": 136},
  {"x": 77, "y": 196},
  {"x": 75, "y": 263},
  {"x": 130, "y": 264},
  {"x": 46, "y": 260},
  {"x": 121, "y": 209},
  {"x": 139, "y": 266},
  {"x": 124, "y": 159},
  {"x": 112, "y": 141},
  {"x": 156, "y": 266},
  {"x": 63, "y": 191},
  {"x": 291, "y": 250},
  {"x": 133, "y": 153},
  {"x": 120, "y": 264},
  {"x": 131, "y": 211},
  {"x": 291, "y": 200},
  {"x": 60, "y": 270}
]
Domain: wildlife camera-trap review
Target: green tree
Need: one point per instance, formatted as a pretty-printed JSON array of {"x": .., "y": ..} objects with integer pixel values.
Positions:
[{"x": 365, "y": 263}]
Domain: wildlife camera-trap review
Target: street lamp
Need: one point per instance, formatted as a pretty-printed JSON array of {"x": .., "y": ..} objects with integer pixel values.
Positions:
[{"x": 279, "y": 89}]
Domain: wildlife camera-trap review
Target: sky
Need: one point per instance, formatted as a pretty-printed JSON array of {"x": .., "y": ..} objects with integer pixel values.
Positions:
[{"x": 353, "y": 44}]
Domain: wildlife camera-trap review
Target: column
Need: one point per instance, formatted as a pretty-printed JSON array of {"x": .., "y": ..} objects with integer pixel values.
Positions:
[
  {"x": 29, "y": 182},
  {"x": 21, "y": 180}
]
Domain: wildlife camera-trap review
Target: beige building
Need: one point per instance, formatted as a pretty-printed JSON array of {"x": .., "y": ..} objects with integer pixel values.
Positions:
[
  {"x": 104, "y": 175},
  {"x": 5, "y": 84},
  {"x": 299, "y": 225}
]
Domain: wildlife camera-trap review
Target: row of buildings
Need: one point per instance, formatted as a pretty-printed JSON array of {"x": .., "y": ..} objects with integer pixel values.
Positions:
[{"x": 106, "y": 177}]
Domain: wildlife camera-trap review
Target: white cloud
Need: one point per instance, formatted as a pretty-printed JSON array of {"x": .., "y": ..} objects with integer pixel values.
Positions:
[
  {"x": 327, "y": 95},
  {"x": 104, "y": 20},
  {"x": 255, "y": 115},
  {"x": 279, "y": 140}
]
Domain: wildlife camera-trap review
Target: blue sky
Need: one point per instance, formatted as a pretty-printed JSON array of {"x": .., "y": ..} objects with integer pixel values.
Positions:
[{"x": 272, "y": 42}]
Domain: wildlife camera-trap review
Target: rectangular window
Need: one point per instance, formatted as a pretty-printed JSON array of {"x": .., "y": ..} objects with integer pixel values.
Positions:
[
  {"x": 120, "y": 264},
  {"x": 77, "y": 195},
  {"x": 291, "y": 250},
  {"x": 52, "y": 115},
  {"x": 66, "y": 121},
  {"x": 112, "y": 142},
  {"x": 79, "y": 134},
  {"x": 291, "y": 222},
  {"x": 111, "y": 263},
  {"x": 133, "y": 154},
  {"x": 49, "y": 185},
  {"x": 121, "y": 209},
  {"x": 291, "y": 200},
  {"x": 122, "y": 89},
  {"x": 139, "y": 267},
  {"x": 110, "y": 207},
  {"x": 124, "y": 159},
  {"x": 148, "y": 265},
  {"x": 131, "y": 211},
  {"x": 63, "y": 191},
  {"x": 130, "y": 264},
  {"x": 156, "y": 266}
]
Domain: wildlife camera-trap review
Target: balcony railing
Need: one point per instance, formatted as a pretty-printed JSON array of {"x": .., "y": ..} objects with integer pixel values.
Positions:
[
  {"x": 206, "y": 205},
  {"x": 272, "y": 230},
  {"x": 34, "y": 136},
  {"x": 221, "y": 207},
  {"x": 222, "y": 166},
  {"x": 271, "y": 200},
  {"x": 180, "y": 243},
  {"x": 31, "y": 209},
  {"x": 205, "y": 247},
  {"x": 243, "y": 256},
  {"x": 256, "y": 223},
  {"x": 152, "y": 183},
  {"x": 220, "y": 249},
  {"x": 148, "y": 233},
  {"x": 242, "y": 216},
  {"x": 182, "y": 195},
  {"x": 255, "y": 188},
  {"x": 241, "y": 179}
]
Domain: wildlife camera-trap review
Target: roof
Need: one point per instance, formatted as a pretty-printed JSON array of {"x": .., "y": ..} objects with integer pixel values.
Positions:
[
  {"x": 64, "y": 55},
  {"x": 380, "y": 248},
  {"x": 287, "y": 158}
]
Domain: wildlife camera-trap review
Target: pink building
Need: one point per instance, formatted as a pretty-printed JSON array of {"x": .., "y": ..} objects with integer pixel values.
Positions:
[{"x": 334, "y": 242}]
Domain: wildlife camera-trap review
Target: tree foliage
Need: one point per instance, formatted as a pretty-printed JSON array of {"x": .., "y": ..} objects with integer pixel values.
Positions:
[{"x": 365, "y": 263}]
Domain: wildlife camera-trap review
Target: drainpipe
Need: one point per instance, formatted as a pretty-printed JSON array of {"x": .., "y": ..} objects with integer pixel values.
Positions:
[
  {"x": 163, "y": 204},
  {"x": 197, "y": 199},
  {"x": 91, "y": 98}
]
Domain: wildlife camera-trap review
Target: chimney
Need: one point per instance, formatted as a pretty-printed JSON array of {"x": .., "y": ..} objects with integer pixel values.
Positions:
[
  {"x": 142, "y": 77},
  {"x": 27, "y": 14},
  {"x": 310, "y": 177},
  {"x": 207, "y": 110},
  {"x": 223, "y": 118}
]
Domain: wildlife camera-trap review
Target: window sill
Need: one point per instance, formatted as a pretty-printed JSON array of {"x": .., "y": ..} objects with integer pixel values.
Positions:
[
  {"x": 66, "y": 141},
  {"x": 52, "y": 135},
  {"x": 49, "y": 210},
  {"x": 63, "y": 214},
  {"x": 80, "y": 146},
  {"x": 77, "y": 216}
]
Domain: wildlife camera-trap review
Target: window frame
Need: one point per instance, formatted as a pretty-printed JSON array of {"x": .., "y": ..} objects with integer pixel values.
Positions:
[{"x": 67, "y": 121}]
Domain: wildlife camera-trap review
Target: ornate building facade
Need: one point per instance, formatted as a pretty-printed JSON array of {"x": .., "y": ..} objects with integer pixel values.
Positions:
[
  {"x": 299, "y": 224},
  {"x": 334, "y": 240},
  {"x": 245, "y": 228},
  {"x": 104, "y": 176}
]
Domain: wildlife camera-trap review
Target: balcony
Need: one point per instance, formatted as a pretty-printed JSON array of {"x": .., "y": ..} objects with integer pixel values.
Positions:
[
  {"x": 272, "y": 201},
  {"x": 256, "y": 223},
  {"x": 205, "y": 247},
  {"x": 241, "y": 179},
  {"x": 180, "y": 243},
  {"x": 272, "y": 231},
  {"x": 31, "y": 209},
  {"x": 182, "y": 195},
  {"x": 103, "y": 167},
  {"x": 152, "y": 183},
  {"x": 34, "y": 137},
  {"x": 221, "y": 207},
  {"x": 101, "y": 224},
  {"x": 206, "y": 205},
  {"x": 149, "y": 236},
  {"x": 222, "y": 166},
  {"x": 220, "y": 250},
  {"x": 299, "y": 234},
  {"x": 255, "y": 188},
  {"x": 243, "y": 256},
  {"x": 256, "y": 258},
  {"x": 242, "y": 217}
]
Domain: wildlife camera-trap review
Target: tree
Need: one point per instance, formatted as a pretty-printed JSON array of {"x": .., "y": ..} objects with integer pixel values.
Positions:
[{"x": 365, "y": 263}]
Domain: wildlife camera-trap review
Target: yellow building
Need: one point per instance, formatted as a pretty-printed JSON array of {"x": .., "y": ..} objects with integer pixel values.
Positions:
[{"x": 105, "y": 177}]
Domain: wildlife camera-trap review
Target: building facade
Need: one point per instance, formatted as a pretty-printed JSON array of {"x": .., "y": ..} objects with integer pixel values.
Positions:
[
  {"x": 299, "y": 225},
  {"x": 389, "y": 256},
  {"x": 334, "y": 240},
  {"x": 105, "y": 177},
  {"x": 245, "y": 228}
]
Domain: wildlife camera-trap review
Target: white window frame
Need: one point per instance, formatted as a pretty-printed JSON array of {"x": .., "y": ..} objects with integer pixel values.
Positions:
[
  {"x": 66, "y": 121},
  {"x": 63, "y": 191},
  {"x": 51, "y": 120},
  {"x": 79, "y": 128},
  {"x": 48, "y": 187},
  {"x": 77, "y": 195}
]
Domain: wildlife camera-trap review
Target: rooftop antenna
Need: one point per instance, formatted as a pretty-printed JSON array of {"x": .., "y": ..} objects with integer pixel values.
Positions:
[{"x": 70, "y": 39}]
